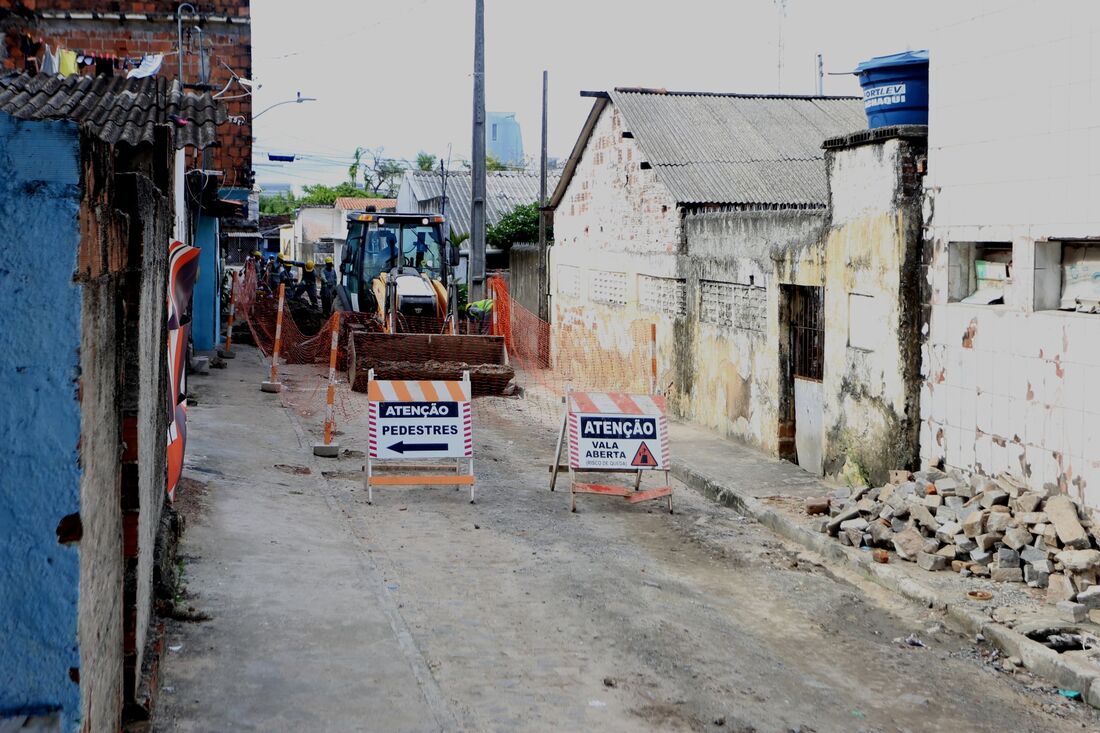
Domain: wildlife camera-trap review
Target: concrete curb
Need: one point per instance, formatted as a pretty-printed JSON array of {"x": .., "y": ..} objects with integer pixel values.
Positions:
[{"x": 1065, "y": 672}]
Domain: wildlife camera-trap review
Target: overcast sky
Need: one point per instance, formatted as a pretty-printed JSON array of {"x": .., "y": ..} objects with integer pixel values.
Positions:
[{"x": 397, "y": 74}]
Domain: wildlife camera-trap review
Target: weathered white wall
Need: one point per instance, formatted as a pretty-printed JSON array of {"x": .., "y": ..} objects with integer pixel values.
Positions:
[
  {"x": 871, "y": 309},
  {"x": 1014, "y": 146}
]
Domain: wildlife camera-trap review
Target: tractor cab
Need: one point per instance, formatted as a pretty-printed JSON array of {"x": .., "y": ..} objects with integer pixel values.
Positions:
[{"x": 397, "y": 264}]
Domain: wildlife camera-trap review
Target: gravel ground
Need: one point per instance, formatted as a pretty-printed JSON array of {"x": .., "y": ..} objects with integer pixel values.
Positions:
[{"x": 514, "y": 614}]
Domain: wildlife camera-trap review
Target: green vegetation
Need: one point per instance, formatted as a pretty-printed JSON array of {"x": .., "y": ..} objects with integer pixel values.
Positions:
[{"x": 521, "y": 224}]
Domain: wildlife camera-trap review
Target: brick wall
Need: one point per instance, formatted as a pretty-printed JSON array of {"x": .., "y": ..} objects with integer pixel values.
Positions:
[{"x": 116, "y": 32}]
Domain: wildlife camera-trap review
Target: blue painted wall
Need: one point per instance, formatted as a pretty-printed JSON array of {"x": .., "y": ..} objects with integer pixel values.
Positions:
[
  {"x": 39, "y": 416},
  {"x": 503, "y": 138},
  {"x": 206, "y": 301}
]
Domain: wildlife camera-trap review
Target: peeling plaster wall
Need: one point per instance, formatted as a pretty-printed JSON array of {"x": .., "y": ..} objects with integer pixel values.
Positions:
[
  {"x": 1010, "y": 388},
  {"x": 734, "y": 373},
  {"x": 40, "y": 418},
  {"x": 871, "y": 311},
  {"x": 614, "y": 218}
]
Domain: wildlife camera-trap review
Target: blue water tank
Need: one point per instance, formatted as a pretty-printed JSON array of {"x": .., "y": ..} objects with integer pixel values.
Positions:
[{"x": 895, "y": 89}]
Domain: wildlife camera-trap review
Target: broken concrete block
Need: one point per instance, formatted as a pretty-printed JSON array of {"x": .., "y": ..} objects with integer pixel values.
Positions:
[
  {"x": 1033, "y": 554},
  {"x": 1059, "y": 588},
  {"x": 1062, "y": 513},
  {"x": 998, "y": 521},
  {"x": 993, "y": 497},
  {"x": 1072, "y": 612},
  {"x": 817, "y": 505},
  {"x": 887, "y": 512},
  {"x": 947, "y": 551},
  {"x": 849, "y": 513},
  {"x": 923, "y": 517},
  {"x": 821, "y": 525},
  {"x": 1027, "y": 502},
  {"x": 898, "y": 525},
  {"x": 1083, "y": 581},
  {"x": 880, "y": 533},
  {"x": 974, "y": 524},
  {"x": 947, "y": 532},
  {"x": 1050, "y": 536},
  {"x": 946, "y": 485},
  {"x": 1090, "y": 597},
  {"x": 899, "y": 476},
  {"x": 1031, "y": 518},
  {"x": 1007, "y": 575},
  {"x": 988, "y": 540},
  {"x": 932, "y": 501},
  {"x": 867, "y": 506},
  {"x": 954, "y": 503},
  {"x": 855, "y": 523},
  {"x": 1079, "y": 560},
  {"x": 981, "y": 557},
  {"x": 964, "y": 490},
  {"x": 944, "y": 515},
  {"x": 931, "y": 545},
  {"x": 1017, "y": 537},
  {"x": 1007, "y": 558},
  {"x": 855, "y": 536},
  {"x": 908, "y": 544},
  {"x": 964, "y": 543},
  {"x": 978, "y": 569},
  {"x": 1035, "y": 576},
  {"x": 931, "y": 562}
]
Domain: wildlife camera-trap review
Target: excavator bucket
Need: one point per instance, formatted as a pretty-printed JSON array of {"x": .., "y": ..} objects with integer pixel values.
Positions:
[{"x": 425, "y": 356}]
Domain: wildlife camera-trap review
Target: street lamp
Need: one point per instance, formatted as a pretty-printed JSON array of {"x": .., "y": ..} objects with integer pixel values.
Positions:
[{"x": 297, "y": 100}]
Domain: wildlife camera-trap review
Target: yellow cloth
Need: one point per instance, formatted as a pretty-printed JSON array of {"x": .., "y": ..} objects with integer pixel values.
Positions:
[{"x": 67, "y": 66}]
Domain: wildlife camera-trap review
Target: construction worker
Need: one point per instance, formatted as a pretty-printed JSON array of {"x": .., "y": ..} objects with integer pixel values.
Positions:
[
  {"x": 275, "y": 273},
  {"x": 480, "y": 311},
  {"x": 308, "y": 285},
  {"x": 328, "y": 286}
]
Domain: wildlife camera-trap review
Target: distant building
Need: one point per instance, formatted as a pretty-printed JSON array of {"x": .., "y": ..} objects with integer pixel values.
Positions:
[
  {"x": 422, "y": 191},
  {"x": 503, "y": 139}
]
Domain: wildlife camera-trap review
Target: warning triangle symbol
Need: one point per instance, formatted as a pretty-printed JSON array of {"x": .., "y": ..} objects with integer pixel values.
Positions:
[{"x": 644, "y": 458}]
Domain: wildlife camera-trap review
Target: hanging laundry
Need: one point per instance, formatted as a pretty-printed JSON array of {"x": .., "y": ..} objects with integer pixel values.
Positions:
[
  {"x": 51, "y": 61},
  {"x": 149, "y": 66},
  {"x": 67, "y": 63},
  {"x": 104, "y": 66}
]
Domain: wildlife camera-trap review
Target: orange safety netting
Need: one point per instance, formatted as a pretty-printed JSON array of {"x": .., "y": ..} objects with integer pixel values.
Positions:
[{"x": 519, "y": 354}]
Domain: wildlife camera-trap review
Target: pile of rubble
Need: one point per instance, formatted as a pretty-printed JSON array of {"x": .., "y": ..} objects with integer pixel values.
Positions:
[{"x": 985, "y": 527}]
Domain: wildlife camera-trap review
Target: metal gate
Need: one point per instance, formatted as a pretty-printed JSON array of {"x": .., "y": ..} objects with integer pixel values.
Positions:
[{"x": 807, "y": 332}]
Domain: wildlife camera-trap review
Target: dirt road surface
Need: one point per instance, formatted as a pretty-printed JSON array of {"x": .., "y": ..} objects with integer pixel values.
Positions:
[{"x": 423, "y": 612}]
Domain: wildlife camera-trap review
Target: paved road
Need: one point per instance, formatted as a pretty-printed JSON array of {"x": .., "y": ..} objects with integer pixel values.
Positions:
[{"x": 423, "y": 613}]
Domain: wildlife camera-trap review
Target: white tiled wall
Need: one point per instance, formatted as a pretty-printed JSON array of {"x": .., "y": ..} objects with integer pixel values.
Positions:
[{"x": 1014, "y": 155}]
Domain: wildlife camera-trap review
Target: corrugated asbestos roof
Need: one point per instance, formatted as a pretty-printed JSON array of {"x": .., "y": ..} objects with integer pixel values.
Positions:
[
  {"x": 115, "y": 110},
  {"x": 504, "y": 190},
  {"x": 731, "y": 148}
]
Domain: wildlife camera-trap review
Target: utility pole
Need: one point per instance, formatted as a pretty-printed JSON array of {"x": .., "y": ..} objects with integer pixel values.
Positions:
[
  {"x": 820, "y": 75},
  {"x": 544, "y": 283},
  {"x": 477, "y": 198}
]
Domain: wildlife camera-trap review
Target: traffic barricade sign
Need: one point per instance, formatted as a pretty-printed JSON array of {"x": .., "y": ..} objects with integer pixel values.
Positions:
[
  {"x": 611, "y": 432},
  {"x": 411, "y": 422}
]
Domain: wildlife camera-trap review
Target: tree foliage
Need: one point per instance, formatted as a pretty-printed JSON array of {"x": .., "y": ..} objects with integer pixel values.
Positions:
[
  {"x": 316, "y": 194},
  {"x": 426, "y": 161},
  {"x": 521, "y": 224}
]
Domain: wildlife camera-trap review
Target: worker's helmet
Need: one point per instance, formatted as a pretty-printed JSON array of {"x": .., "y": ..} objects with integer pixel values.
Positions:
[
  {"x": 281, "y": 257},
  {"x": 309, "y": 265},
  {"x": 256, "y": 253},
  {"x": 328, "y": 260}
]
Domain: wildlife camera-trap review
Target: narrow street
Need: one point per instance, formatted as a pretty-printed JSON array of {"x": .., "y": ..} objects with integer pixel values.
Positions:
[{"x": 423, "y": 612}]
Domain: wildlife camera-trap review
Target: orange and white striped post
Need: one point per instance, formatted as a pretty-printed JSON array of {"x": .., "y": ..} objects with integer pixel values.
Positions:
[
  {"x": 227, "y": 351},
  {"x": 328, "y": 449},
  {"x": 273, "y": 385}
]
